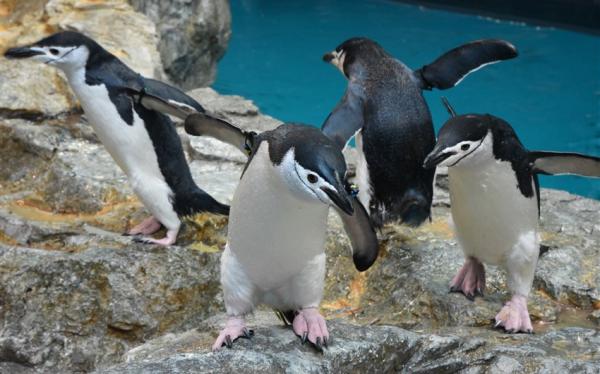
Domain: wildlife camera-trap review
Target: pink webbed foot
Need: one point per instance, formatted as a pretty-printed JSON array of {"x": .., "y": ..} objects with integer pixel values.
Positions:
[
  {"x": 166, "y": 241},
  {"x": 310, "y": 325},
  {"x": 234, "y": 328},
  {"x": 470, "y": 279},
  {"x": 147, "y": 227},
  {"x": 514, "y": 316}
]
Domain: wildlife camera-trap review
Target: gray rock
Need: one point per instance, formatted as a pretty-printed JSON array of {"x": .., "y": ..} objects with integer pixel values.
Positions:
[
  {"x": 193, "y": 37},
  {"x": 381, "y": 349},
  {"x": 65, "y": 311},
  {"x": 274, "y": 349}
]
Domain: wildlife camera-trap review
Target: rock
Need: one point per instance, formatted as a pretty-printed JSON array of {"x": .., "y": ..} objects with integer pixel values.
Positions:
[
  {"x": 65, "y": 311},
  {"x": 275, "y": 348},
  {"x": 357, "y": 349},
  {"x": 193, "y": 37}
]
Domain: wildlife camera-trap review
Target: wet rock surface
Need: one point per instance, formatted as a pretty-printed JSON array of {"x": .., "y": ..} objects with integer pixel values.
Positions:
[{"x": 76, "y": 296}]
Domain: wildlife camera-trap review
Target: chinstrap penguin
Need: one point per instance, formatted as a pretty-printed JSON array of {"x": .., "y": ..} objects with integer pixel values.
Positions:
[
  {"x": 142, "y": 141},
  {"x": 277, "y": 225},
  {"x": 495, "y": 202},
  {"x": 384, "y": 109}
]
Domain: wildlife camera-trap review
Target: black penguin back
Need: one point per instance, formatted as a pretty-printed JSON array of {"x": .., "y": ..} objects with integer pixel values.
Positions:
[
  {"x": 188, "y": 198},
  {"x": 397, "y": 136}
]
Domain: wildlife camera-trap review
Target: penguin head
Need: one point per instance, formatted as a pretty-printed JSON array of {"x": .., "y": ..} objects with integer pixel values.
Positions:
[
  {"x": 353, "y": 52},
  {"x": 463, "y": 141},
  {"x": 66, "y": 50},
  {"x": 312, "y": 166}
]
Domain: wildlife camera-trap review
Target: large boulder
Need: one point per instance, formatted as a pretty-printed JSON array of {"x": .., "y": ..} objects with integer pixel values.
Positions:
[{"x": 193, "y": 37}]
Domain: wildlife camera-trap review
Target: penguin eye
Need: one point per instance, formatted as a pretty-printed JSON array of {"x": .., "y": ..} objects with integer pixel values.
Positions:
[
  {"x": 312, "y": 178},
  {"x": 465, "y": 147},
  {"x": 53, "y": 51}
]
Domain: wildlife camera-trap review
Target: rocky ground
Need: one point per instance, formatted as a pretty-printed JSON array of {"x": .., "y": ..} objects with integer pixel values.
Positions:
[{"x": 76, "y": 296}]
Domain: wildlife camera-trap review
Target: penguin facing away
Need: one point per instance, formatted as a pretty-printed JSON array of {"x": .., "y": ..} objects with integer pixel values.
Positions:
[
  {"x": 277, "y": 224},
  {"x": 142, "y": 141},
  {"x": 384, "y": 109},
  {"x": 495, "y": 201}
]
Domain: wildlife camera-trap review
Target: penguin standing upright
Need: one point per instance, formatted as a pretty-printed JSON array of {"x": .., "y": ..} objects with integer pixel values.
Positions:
[
  {"x": 495, "y": 201},
  {"x": 277, "y": 225},
  {"x": 142, "y": 141},
  {"x": 384, "y": 108}
]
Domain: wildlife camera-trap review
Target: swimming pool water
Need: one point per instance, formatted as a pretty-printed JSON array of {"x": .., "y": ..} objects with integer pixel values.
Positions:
[{"x": 550, "y": 93}]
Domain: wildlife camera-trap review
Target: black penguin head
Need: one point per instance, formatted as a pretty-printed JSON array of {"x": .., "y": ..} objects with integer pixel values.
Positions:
[
  {"x": 67, "y": 50},
  {"x": 312, "y": 165},
  {"x": 355, "y": 51},
  {"x": 463, "y": 140}
]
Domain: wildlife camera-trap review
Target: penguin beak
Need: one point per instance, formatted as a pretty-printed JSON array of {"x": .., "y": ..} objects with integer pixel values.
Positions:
[
  {"x": 436, "y": 157},
  {"x": 327, "y": 57},
  {"x": 22, "y": 52},
  {"x": 341, "y": 200}
]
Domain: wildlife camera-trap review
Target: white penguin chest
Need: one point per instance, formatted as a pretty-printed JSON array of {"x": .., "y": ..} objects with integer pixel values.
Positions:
[
  {"x": 273, "y": 233},
  {"x": 129, "y": 145},
  {"x": 489, "y": 211},
  {"x": 362, "y": 174}
]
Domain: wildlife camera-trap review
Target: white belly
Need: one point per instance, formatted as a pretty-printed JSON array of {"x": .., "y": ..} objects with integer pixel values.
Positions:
[
  {"x": 489, "y": 212},
  {"x": 129, "y": 145},
  {"x": 362, "y": 174},
  {"x": 272, "y": 233}
]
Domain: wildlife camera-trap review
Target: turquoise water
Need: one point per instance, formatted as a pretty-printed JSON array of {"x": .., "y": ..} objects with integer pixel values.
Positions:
[{"x": 550, "y": 93}]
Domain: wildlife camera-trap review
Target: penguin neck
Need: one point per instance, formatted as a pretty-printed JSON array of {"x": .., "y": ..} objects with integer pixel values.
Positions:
[{"x": 76, "y": 78}]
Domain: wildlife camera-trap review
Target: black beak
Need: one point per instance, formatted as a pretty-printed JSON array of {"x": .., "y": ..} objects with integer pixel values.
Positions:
[
  {"x": 21, "y": 52},
  {"x": 327, "y": 57},
  {"x": 341, "y": 200},
  {"x": 435, "y": 157}
]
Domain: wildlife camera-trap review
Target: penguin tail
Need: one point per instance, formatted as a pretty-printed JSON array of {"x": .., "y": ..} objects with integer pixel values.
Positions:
[
  {"x": 414, "y": 208},
  {"x": 199, "y": 201}
]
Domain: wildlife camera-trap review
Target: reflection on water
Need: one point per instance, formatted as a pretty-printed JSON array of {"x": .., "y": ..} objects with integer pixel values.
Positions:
[{"x": 550, "y": 93}]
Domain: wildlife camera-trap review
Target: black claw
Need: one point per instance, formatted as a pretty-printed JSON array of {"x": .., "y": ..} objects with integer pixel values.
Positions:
[
  {"x": 454, "y": 289},
  {"x": 125, "y": 234},
  {"x": 228, "y": 341},
  {"x": 304, "y": 338},
  {"x": 248, "y": 334},
  {"x": 470, "y": 297},
  {"x": 318, "y": 344},
  {"x": 325, "y": 342}
]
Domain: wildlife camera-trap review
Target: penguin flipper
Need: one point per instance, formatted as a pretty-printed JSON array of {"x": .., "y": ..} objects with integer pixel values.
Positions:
[
  {"x": 161, "y": 97},
  {"x": 346, "y": 119},
  {"x": 365, "y": 247},
  {"x": 170, "y": 94},
  {"x": 452, "y": 67},
  {"x": 201, "y": 124},
  {"x": 565, "y": 163}
]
